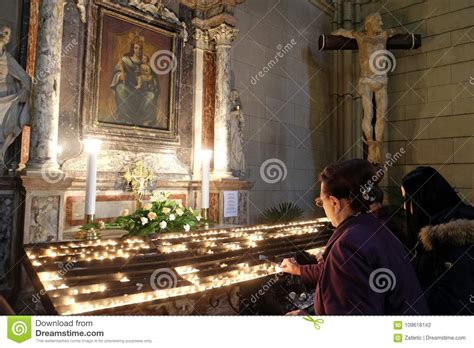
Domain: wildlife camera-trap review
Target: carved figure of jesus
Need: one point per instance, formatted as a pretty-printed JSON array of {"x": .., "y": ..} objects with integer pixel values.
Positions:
[{"x": 374, "y": 60}]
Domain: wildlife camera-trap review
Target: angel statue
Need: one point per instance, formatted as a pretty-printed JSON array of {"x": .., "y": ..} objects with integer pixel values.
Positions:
[
  {"x": 236, "y": 126},
  {"x": 14, "y": 92}
]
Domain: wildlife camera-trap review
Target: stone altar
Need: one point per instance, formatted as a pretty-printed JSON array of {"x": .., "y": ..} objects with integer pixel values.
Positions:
[{"x": 54, "y": 179}]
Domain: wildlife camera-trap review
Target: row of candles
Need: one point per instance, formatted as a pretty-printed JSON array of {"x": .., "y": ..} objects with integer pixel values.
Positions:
[
  {"x": 211, "y": 240},
  {"x": 64, "y": 296},
  {"x": 92, "y": 149},
  {"x": 68, "y": 306}
]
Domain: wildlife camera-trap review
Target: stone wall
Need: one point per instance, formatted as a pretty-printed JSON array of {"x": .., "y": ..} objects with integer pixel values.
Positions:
[
  {"x": 283, "y": 80},
  {"x": 431, "y": 91}
]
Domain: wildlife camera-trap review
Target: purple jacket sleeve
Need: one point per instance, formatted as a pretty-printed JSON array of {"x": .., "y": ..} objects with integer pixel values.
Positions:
[
  {"x": 310, "y": 274},
  {"x": 345, "y": 283}
]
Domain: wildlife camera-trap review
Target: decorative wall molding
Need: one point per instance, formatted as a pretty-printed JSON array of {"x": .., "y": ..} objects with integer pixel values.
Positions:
[
  {"x": 208, "y": 4},
  {"x": 154, "y": 8}
]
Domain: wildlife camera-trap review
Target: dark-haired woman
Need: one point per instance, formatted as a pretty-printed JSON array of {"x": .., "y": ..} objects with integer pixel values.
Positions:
[
  {"x": 389, "y": 215},
  {"x": 363, "y": 269},
  {"x": 441, "y": 231}
]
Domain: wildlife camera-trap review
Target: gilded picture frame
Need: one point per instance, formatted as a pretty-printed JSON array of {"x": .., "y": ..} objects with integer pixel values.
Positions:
[{"x": 126, "y": 95}]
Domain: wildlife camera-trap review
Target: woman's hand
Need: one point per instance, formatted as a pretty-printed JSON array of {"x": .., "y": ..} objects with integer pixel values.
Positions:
[
  {"x": 297, "y": 312},
  {"x": 291, "y": 266}
]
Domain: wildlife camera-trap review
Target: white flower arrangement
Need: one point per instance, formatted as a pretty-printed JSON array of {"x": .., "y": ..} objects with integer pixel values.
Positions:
[{"x": 160, "y": 215}]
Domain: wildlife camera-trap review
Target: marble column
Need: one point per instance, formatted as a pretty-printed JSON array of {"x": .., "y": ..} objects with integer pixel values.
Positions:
[
  {"x": 45, "y": 91},
  {"x": 223, "y": 35},
  {"x": 201, "y": 38}
]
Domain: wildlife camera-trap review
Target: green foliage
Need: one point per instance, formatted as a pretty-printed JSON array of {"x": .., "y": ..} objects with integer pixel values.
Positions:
[
  {"x": 284, "y": 212},
  {"x": 161, "y": 215}
]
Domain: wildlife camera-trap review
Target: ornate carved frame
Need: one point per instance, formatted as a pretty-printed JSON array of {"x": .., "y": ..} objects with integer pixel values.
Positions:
[{"x": 113, "y": 134}]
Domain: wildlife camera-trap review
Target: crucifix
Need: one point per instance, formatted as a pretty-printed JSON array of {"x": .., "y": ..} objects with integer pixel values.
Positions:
[
  {"x": 138, "y": 179},
  {"x": 375, "y": 62}
]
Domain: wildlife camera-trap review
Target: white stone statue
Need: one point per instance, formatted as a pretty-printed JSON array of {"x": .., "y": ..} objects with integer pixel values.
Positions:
[
  {"x": 14, "y": 93},
  {"x": 375, "y": 61},
  {"x": 82, "y": 7},
  {"x": 236, "y": 127}
]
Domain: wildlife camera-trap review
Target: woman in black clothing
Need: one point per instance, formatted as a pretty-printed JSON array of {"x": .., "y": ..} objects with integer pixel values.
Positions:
[{"x": 441, "y": 235}]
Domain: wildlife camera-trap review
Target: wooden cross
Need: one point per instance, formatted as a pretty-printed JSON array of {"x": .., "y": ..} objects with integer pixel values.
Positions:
[
  {"x": 396, "y": 42},
  {"x": 375, "y": 62}
]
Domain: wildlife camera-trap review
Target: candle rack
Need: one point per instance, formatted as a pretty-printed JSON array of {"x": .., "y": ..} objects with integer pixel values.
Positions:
[{"x": 118, "y": 276}]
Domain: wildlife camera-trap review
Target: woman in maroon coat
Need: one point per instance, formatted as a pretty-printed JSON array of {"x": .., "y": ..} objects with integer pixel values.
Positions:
[{"x": 365, "y": 268}]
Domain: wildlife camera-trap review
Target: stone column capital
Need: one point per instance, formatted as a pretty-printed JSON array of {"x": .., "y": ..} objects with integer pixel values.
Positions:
[
  {"x": 223, "y": 34},
  {"x": 201, "y": 38}
]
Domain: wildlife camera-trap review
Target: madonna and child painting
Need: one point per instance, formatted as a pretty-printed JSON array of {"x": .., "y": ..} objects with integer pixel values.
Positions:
[{"x": 135, "y": 80}]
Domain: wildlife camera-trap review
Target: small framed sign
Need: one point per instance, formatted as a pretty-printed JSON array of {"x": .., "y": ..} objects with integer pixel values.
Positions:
[{"x": 231, "y": 203}]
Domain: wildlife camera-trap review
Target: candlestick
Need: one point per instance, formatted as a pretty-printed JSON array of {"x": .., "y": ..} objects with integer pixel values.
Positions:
[
  {"x": 205, "y": 216},
  {"x": 206, "y": 164},
  {"x": 91, "y": 147}
]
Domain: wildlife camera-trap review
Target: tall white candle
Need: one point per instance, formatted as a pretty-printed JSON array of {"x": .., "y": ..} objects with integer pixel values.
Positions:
[
  {"x": 92, "y": 148},
  {"x": 206, "y": 164}
]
